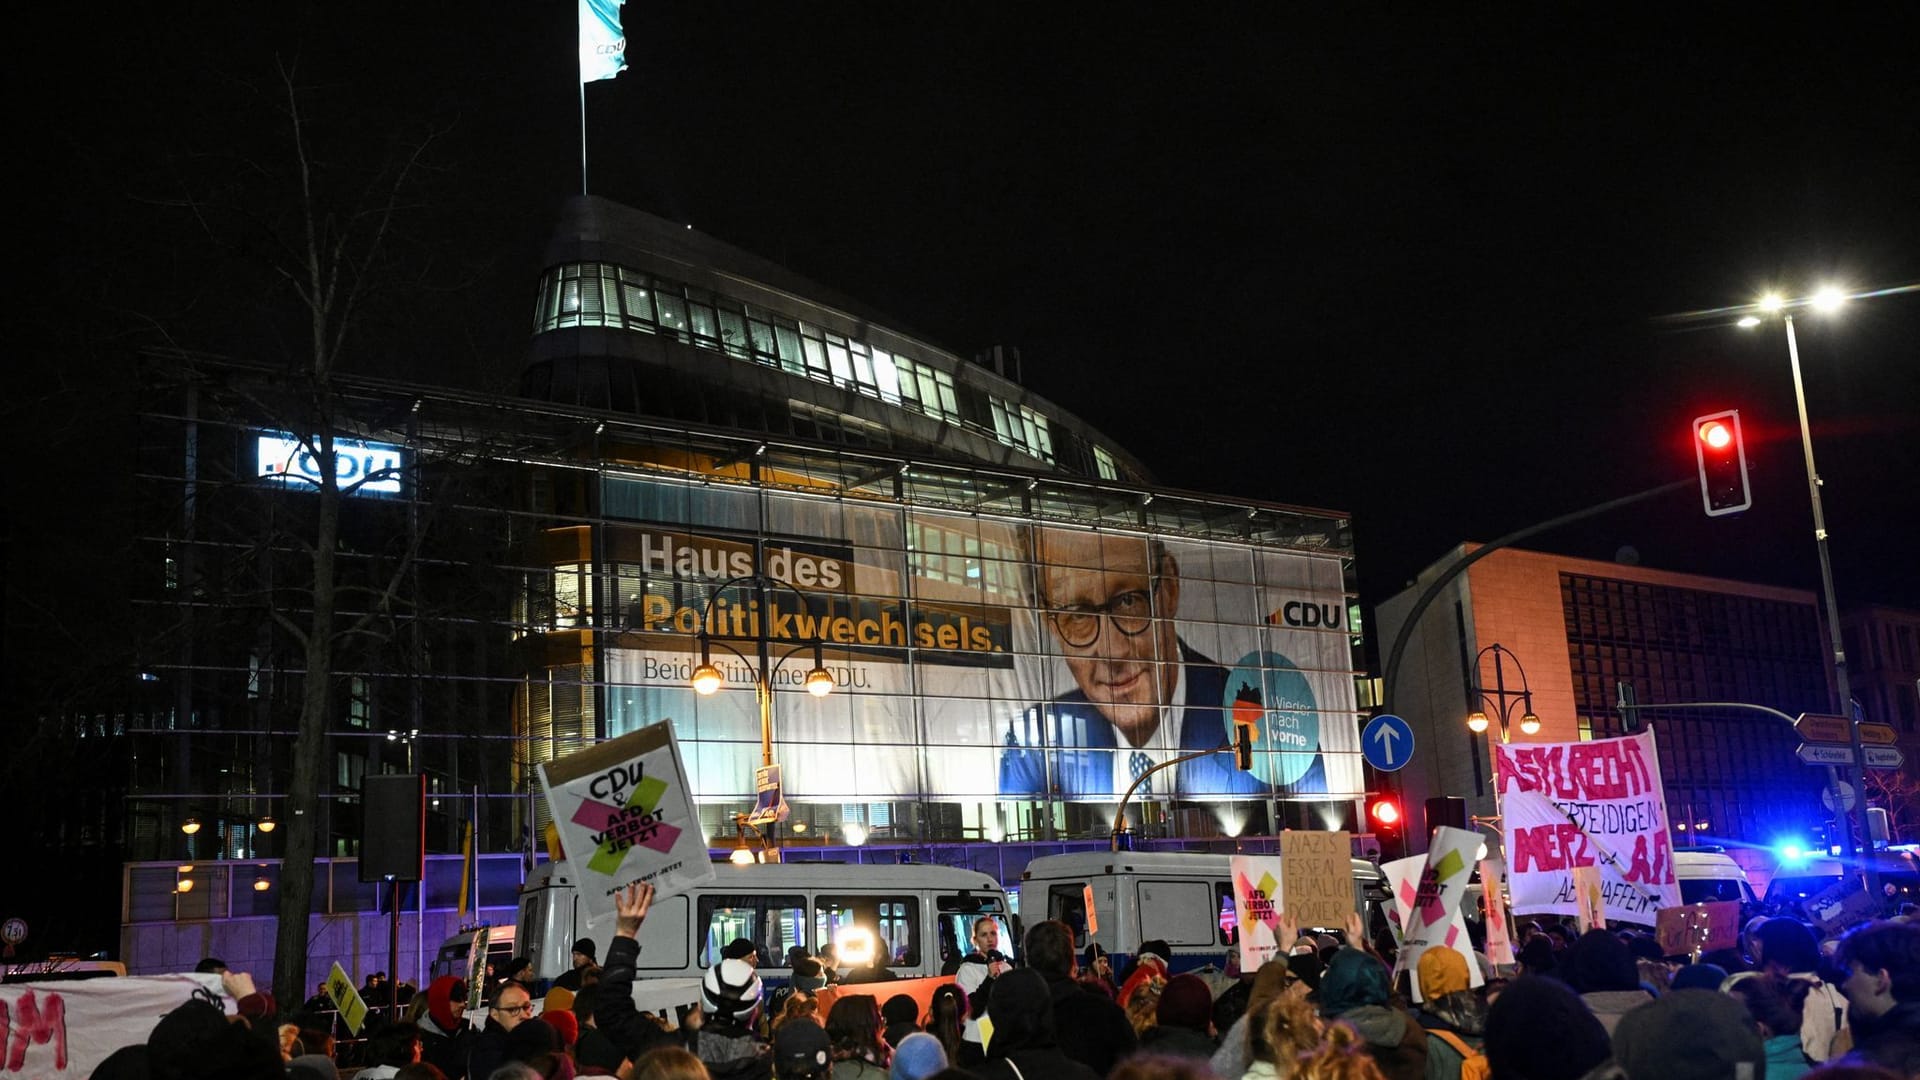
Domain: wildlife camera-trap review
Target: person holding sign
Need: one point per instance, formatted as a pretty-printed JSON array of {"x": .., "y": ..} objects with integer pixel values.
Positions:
[{"x": 613, "y": 1010}]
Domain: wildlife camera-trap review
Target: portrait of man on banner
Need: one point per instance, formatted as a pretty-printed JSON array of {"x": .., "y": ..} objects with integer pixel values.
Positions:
[{"x": 1142, "y": 694}]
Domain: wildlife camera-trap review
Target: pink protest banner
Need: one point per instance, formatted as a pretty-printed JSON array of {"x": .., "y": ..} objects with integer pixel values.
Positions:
[
  {"x": 1493, "y": 874},
  {"x": 1598, "y": 803},
  {"x": 1257, "y": 904},
  {"x": 1403, "y": 883}
]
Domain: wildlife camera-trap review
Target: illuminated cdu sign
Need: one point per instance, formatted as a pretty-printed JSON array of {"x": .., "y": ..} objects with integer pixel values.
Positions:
[{"x": 361, "y": 468}]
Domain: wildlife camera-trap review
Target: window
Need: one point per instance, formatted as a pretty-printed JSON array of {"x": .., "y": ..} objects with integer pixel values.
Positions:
[
  {"x": 955, "y": 925},
  {"x": 893, "y": 922},
  {"x": 1229, "y": 921},
  {"x": 1103, "y": 464},
  {"x": 1068, "y": 904},
  {"x": 1177, "y": 912},
  {"x": 774, "y": 923}
]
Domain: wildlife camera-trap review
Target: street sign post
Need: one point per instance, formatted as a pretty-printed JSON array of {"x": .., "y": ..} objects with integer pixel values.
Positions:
[
  {"x": 1883, "y": 757},
  {"x": 1387, "y": 742},
  {"x": 1825, "y": 754}
]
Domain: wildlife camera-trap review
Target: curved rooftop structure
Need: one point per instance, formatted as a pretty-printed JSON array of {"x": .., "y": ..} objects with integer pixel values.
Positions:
[{"x": 637, "y": 314}]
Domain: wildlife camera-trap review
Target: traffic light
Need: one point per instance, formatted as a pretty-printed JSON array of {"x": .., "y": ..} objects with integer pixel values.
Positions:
[
  {"x": 1385, "y": 813},
  {"x": 1243, "y": 746},
  {"x": 1722, "y": 455}
]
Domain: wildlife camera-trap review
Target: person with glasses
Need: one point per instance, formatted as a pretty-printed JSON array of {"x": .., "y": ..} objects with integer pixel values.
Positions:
[
  {"x": 1142, "y": 695},
  {"x": 510, "y": 1006}
]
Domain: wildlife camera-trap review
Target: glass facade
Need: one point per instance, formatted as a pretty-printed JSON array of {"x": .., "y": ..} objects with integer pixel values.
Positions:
[{"x": 1730, "y": 772}]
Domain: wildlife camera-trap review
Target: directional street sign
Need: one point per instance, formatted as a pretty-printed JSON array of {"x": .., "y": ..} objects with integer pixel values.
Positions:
[
  {"x": 1387, "y": 742},
  {"x": 1884, "y": 757},
  {"x": 1822, "y": 754},
  {"x": 1877, "y": 734},
  {"x": 1815, "y": 727}
]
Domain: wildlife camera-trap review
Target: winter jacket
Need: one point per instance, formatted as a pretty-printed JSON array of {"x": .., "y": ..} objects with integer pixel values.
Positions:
[
  {"x": 1178, "y": 1042},
  {"x": 613, "y": 1011},
  {"x": 1090, "y": 1029},
  {"x": 858, "y": 1069},
  {"x": 1610, "y": 1005},
  {"x": 1785, "y": 1060},
  {"x": 729, "y": 1050},
  {"x": 1234, "y": 1058},
  {"x": 1398, "y": 1045},
  {"x": 1891, "y": 1041},
  {"x": 1035, "y": 1063}
]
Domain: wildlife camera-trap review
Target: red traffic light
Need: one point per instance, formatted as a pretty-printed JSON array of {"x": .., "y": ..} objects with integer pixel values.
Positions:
[
  {"x": 1386, "y": 813},
  {"x": 1721, "y": 454}
]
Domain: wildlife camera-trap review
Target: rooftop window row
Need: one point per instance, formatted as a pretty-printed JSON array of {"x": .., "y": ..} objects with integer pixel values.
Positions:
[{"x": 606, "y": 295}]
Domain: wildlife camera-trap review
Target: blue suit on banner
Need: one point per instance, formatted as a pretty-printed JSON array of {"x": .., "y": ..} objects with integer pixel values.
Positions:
[{"x": 1064, "y": 749}]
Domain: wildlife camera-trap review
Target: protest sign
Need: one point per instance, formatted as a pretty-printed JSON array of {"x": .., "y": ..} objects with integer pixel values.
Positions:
[
  {"x": 1698, "y": 928},
  {"x": 1432, "y": 915},
  {"x": 1403, "y": 882},
  {"x": 1840, "y": 905},
  {"x": 625, "y": 814},
  {"x": 1586, "y": 898},
  {"x": 1257, "y": 904},
  {"x": 477, "y": 967},
  {"x": 340, "y": 991},
  {"x": 1493, "y": 896},
  {"x": 1597, "y": 803},
  {"x": 1316, "y": 877},
  {"x": 1093, "y": 918},
  {"x": 67, "y": 1027}
]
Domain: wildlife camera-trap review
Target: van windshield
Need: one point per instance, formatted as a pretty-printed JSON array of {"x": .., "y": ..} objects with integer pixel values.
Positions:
[
  {"x": 1701, "y": 890},
  {"x": 957, "y": 914}
]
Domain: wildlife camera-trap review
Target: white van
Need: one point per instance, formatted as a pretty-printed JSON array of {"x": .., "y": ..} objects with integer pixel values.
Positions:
[
  {"x": 1709, "y": 873},
  {"x": 914, "y": 918},
  {"x": 1182, "y": 898},
  {"x": 452, "y": 957}
]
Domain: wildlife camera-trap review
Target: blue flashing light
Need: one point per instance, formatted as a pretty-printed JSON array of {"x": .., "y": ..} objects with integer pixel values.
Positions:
[{"x": 1791, "y": 851}]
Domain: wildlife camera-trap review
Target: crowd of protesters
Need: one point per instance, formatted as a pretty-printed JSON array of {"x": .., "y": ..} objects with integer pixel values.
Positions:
[{"x": 1600, "y": 1005}]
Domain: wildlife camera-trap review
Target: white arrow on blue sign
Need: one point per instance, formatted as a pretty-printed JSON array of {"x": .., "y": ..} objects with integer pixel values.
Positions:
[{"x": 1387, "y": 742}]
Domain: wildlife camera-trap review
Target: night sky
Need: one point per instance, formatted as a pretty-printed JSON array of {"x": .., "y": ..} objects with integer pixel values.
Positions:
[{"x": 1409, "y": 267}]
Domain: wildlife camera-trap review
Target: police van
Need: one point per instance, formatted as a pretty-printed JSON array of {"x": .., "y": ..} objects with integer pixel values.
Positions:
[
  {"x": 914, "y": 920},
  {"x": 1182, "y": 898}
]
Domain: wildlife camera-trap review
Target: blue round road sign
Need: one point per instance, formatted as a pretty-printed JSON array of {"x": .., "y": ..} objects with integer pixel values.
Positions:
[{"x": 1387, "y": 742}]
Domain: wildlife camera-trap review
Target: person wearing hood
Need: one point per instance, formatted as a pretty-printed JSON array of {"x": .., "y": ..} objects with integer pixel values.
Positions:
[
  {"x": 1601, "y": 970},
  {"x": 443, "y": 1034},
  {"x": 1023, "y": 1046},
  {"x": 1355, "y": 989},
  {"x": 1452, "y": 1014},
  {"x": 1089, "y": 1028},
  {"x": 1183, "y": 1020}
]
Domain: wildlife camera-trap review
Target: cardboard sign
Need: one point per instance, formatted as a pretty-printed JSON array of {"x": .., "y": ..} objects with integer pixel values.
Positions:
[
  {"x": 1597, "y": 803},
  {"x": 1493, "y": 895},
  {"x": 67, "y": 1027},
  {"x": 1316, "y": 874},
  {"x": 1840, "y": 905},
  {"x": 625, "y": 814},
  {"x": 346, "y": 999},
  {"x": 1257, "y": 904},
  {"x": 1698, "y": 928},
  {"x": 1588, "y": 911},
  {"x": 1086, "y": 900}
]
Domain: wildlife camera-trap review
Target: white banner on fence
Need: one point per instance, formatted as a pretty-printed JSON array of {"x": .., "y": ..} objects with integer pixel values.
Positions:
[
  {"x": 1598, "y": 803},
  {"x": 66, "y": 1028}
]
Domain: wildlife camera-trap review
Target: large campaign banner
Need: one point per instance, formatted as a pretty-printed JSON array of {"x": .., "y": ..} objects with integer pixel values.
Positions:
[
  {"x": 66, "y": 1028},
  {"x": 1599, "y": 804},
  {"x": 983, "y": 658}
]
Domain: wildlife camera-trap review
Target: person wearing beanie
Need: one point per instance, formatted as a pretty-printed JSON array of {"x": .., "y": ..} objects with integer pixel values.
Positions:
[
  {"x": 725, "y": 1041},
  {"x": 1539, "y": 1029},
  {"x": 802, "y": 1051},
  {"x": 1601, "y": 970},
  {"x": 901, "y": 1015},
  {"x": 1452, "y": 1014},
  {"x": 565, "y": 1025},
  {"x": 531, "y": 1038},
  {"x": 1150, "y": 963},
  {"x": 1786, "y": 948},
  {"x": 1086, "y": 1026},
  {"x": 1698, "y": 977},
  {"x": 1023, "y": 1046},
  {"x": 918, "y": 1056},
  {"x": 1355, "y": 989},
  {"x": 585, "y": 955},
  {"x": 1096, "y": 972},
  {"x": 1688, "y": 1035},
  {"x": 742, "y": 949},
  {"x": 1183, "y": 1020}
]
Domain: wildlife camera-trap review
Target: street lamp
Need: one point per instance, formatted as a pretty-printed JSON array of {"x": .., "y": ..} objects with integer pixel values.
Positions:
[
  {"x": 1828, "y": 298},
  {"x": 1477, "y": 720},
  {"x": 707, "y": 678}
]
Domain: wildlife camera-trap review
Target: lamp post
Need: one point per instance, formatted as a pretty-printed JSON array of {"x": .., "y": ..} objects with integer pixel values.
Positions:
[
  {"x": 1477, "y": 721},
  {"x": 1828, "y": 299},
  {"x": 707, "y": 679}
]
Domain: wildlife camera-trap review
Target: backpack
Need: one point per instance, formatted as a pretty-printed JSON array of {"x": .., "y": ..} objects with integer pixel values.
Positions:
[{"x": 1473, "y": 1063}]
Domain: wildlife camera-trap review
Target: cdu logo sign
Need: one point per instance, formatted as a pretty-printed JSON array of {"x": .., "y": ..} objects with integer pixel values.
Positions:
[{"x": 361, "y": 468}]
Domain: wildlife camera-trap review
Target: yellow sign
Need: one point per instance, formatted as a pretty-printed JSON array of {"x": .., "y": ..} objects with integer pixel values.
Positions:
[
  {"x": 1093, "y": 920},
  {"x": 345, "y": 998}
]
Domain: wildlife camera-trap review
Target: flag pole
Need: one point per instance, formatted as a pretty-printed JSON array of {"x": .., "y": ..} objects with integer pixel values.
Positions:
[{"x": 580, "y": 60}]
